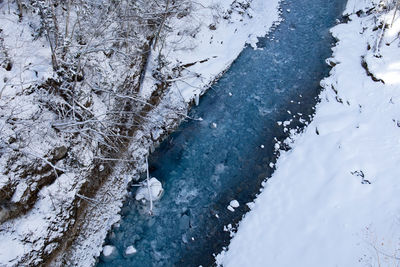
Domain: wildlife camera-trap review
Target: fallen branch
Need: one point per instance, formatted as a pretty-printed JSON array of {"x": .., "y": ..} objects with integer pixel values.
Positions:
[{"x": 148, "y": 187}]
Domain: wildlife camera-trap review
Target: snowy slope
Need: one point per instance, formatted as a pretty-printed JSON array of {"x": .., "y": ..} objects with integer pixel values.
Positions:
[{"x": 333, "y": 200}]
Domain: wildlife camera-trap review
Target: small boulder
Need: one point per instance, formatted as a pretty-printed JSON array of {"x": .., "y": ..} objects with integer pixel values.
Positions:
[
  {"x": 156, "y": 190},
  {"x": 234, "y": 204},
  {"x": 212, "y": 27},
  {"x": 59, "y": 152},
  {"x": 109, "y": 253},
  {"x": 129, "y": 251}
]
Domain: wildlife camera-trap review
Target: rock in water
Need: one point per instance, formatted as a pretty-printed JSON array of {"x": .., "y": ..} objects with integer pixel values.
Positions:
[
  {"x": 109, "y": 253},
  {"x": 156, "y": 190},
  {"x": 230, "y": 208},
  {"x": 234, "y": 203},
  {"x": 129, "y": 251}
]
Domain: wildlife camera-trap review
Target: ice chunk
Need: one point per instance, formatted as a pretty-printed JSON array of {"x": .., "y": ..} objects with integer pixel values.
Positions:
[{"x": 156, "y": 190}]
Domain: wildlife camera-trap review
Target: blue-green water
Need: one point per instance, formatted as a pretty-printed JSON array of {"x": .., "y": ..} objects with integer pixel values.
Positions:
[{"x": 203, "y": 168}]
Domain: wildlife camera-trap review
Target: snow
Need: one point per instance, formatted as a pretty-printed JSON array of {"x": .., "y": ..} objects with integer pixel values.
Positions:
[
  {"x": 317, "y": 209},
  {"x": 155, "y": 193},
  {"x": 26, "y": 232},
  {"x": 234, "y": 203},
  {"x": 34, "y": 232},
  {"x": 19, "y": 192},
  {"x": 130, "y": 250},
  {"x": 7, "y": 254},
  {"x": 31, "y": 59},
  {"x": 109, "y": 251}
]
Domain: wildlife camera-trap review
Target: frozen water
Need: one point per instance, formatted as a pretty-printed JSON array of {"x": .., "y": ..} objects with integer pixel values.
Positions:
[{"x": 202, "y": 167}]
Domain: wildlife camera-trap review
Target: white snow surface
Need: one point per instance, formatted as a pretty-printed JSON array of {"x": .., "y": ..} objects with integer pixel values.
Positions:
[
  {"x": 332, "y": 200},
  {"x": 31, "y": 59},
  {"x": 234, "y": 203},
  {"x": 155, "y": 188},
  {"x": 108, "y": 250}
]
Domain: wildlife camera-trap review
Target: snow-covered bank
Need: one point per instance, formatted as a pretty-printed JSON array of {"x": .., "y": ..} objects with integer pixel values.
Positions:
[{"x": 332, "y": 199}]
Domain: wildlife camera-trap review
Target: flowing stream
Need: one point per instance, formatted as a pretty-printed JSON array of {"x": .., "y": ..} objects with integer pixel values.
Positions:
[{"x": 203, "y": 168}]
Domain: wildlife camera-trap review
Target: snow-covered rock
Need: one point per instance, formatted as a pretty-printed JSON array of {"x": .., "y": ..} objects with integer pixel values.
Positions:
[
  {"x": 234, "y": 203},
  {"x": 129, "y": 251},
  {"x": 109, "y": 252},
  {"x": 230, "y": 208},
  {"x": 155, "y": 187}
]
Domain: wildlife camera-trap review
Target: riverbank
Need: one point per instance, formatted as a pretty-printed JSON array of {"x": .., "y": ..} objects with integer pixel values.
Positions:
[{"x": 331, "y": 200}]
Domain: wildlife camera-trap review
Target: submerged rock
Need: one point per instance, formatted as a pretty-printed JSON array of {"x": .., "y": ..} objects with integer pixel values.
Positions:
[{"x": 184, "y": 222}]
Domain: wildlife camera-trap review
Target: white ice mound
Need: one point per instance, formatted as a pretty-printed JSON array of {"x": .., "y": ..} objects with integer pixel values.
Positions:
[{"x": 156, "y": 190}]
